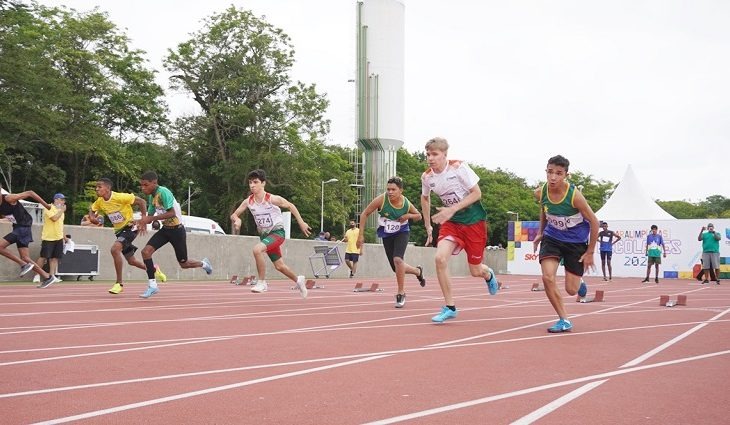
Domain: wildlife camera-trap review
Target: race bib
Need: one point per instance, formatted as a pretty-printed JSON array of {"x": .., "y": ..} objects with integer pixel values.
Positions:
[
  {"x": 263, "y": 220},
  {"x": 390, "y": 226},
  {"x": 605, "y": 239},
  {"x": 562, "y": 222},
  {"x": 116, "y": 217},
  {"x": 450, "y": 199},
  {"x": 160, "y": 211},
  {"x": 11, "y": 218}
]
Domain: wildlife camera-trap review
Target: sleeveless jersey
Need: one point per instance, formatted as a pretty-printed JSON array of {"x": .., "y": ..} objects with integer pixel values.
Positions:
[
  {"x": 16, "y": 214},
  {"x": 267, "y": 216},
  {"x": 451, "y": 186},
  {"x": 564, "y": 222},
  {"x": 605, "y": 237},
  {"x": 160, "y": 202},
  {"x": 118, "y": 208},
  {"x": 388, "y": 224}
]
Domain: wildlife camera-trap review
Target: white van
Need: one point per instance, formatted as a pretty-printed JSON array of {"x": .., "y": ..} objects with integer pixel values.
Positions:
[{"x": 193, "y": 224}]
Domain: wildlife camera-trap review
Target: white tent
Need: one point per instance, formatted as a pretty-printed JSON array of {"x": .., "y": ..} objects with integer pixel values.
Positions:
[{"x": 630, "y": 202}]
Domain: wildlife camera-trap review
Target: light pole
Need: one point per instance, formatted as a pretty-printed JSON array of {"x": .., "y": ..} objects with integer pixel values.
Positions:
[
  {"x": 190, "y": 183},
  {"x": 515, "y": 213},
  {"x": 321, "y": 213}
]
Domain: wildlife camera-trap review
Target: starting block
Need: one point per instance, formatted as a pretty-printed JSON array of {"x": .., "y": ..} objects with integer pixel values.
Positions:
[
  {"x": 309, "y": 284},
  {"x": 502, "y": 286},
  {"x": 665, "y": 301},
  {"x": 536, "y": 287},
  {"x": 597, "y": 298},
  {"x": 234, "y": 279},
  {"x": 373, "y": 288}
]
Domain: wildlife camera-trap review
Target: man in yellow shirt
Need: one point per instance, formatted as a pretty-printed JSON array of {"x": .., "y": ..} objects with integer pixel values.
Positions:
[
  {"x": 52, "y": 238},
  {"x": 118, "y": 209},
  {"x": 352, "y": 252}
]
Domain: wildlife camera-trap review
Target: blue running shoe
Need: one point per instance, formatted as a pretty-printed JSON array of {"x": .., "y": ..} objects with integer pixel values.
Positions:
[
  {"x": 445, "y": 314},
  {"x": 149, "y": 292},
  {"x": 583, "y": 290},
  {"x": 492, "y": 283},
  {"x": 206, "y": 265},
  {"x": 563, "y": 325}
]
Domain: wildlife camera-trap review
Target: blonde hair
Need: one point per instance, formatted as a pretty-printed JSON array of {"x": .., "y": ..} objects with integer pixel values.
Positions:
[{"x": 438, "y": 143}]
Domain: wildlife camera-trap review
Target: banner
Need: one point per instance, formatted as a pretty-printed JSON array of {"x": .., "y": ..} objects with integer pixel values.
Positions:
[{"x": 684, "y": 251}]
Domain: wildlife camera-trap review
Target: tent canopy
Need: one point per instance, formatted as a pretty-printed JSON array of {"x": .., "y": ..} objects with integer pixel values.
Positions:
[{"x": 630, "y": 202}]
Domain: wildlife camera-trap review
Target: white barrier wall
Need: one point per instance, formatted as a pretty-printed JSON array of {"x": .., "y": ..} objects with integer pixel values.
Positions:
[{"x": 680, "y": 238}]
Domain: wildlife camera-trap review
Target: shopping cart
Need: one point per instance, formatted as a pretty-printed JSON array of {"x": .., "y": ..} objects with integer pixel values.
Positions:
[{"x": 325, "y": 260}]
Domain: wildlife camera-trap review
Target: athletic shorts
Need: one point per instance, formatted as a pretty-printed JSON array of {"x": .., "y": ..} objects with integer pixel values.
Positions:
[
  {"x": 176, "y": 237},
  {"x": 606, "y": 255},
  {"x": 470, "y": 237},
  {"x": 351, "y": 256},
  {"x": 125, "y": 237},
  {"x": 710, "y": 260},
  {"x": 21, "y": 236},
  {"x": 395, "y": 246},
  {"x": 568, "y": 252},
  {"x": 654, "y": 260},
  {"x": 52, "y": 249},
  {"x": 273, "y": 242}
]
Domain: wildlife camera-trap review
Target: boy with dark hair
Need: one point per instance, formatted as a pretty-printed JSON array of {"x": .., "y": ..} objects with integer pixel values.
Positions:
[
  {"x": 162, "y": 206},
  {"x": 654, "y": 249},
  {"x": 266, "y": 210},
  {"x": 568, "y": 232},
  {"x": 607, "y": 238}
]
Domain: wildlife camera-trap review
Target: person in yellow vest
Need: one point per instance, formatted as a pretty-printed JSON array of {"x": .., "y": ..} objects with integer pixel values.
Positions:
[
  {"x": 352, "y": 252},
  {"x": 52, "y": 239}
]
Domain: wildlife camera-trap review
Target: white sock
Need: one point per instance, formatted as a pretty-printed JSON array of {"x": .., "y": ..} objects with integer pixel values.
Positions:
[{"x": 152, "y": 283}]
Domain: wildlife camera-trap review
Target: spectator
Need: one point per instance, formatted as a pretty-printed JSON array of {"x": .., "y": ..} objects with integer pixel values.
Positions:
[
  {"x": 710, "y": 253},
  {"x": 606, "y": 239},
  {"x": 655, "y": 250},
  {"x": 52, "y": 237}
]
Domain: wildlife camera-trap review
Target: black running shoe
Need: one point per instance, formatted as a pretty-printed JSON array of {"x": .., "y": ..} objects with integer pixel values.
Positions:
[{"x": 421, "y": 279}]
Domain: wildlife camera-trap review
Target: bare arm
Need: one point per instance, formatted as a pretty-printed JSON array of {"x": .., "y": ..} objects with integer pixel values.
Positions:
[
  {"x": 618, "y": 238},
  {"x": 59, "y": 212},
  {"x": 413, "y": 213},
  {"x": 445, "y": 213},
  {"x": 15, "y": 197},
  {"x": 426, "y": 210},
  {"x": 580, "y": 203},
  {"x": 236, "y": 217},
  {"x": 699, "y": 237},
  {"x": 543, "y": 220},
  {"x": 371, "y": 208},
  {"x": 283, "y": 203}
]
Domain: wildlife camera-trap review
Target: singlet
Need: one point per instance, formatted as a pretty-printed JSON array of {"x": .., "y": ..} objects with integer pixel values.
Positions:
[
  {"x": 118, "y": 208},
  {"x": 267, "y": 216},
  {"x": 451, "y": 186},
  {"x": 388, "y": 224},
  {"x": 654, "y": 245},
  {"x": 16, "y": 213},
  {"x": 162, "y": 201},
  {"x": 564, "y": 222},
  {"x": 605, "y": 237}
]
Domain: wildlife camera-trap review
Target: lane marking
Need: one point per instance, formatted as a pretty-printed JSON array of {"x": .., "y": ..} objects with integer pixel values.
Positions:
[{"x": 556, "y": 404}]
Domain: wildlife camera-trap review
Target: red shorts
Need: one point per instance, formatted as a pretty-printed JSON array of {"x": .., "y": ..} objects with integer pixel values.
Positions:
[
  {"x": 273, "y": 242},
  {"x": 470, "y": 237}
]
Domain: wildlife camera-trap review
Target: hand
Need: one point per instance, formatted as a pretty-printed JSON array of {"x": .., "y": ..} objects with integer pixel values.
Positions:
[
  {"x": 429, "y": 239},
  {"x": 359, "y": 242},
  {"x": 443, "y": 214},
  {"x": 305, "y": 228},
  {"x": 536, "y": 243},
  {"x": 403, "y": 219},
  {"x": 587, "y": 260},
  {"x": 704, "y": 228}
]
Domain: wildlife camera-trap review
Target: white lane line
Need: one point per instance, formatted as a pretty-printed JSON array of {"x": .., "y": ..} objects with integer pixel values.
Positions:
[
  {"x": 556, "y": 404},
  {"x": 470, "y": 403},
  {"x": 673, "y": 341},
  {"x": 181, "y": 396}
]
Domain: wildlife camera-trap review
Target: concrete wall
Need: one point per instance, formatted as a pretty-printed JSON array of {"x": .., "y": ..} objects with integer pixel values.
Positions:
[{"x": 231, "y": 255}]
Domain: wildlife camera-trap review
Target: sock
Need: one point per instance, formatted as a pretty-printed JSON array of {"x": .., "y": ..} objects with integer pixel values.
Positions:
[
  {"x": 152, "y": 283},
  {"x": 150, "y": 268},
  {"x": 451, "y": 307}
]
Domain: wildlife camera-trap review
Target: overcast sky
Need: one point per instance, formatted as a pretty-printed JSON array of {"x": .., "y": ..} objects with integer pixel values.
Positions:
[{"x": 511, "y": 83}]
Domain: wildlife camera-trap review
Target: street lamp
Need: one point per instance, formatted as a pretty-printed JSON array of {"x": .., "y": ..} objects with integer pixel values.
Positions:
[
  {"x": 515, "y": 213},
  {"x": 190, "y": 183},
  {"x": 321, "y": 213}
]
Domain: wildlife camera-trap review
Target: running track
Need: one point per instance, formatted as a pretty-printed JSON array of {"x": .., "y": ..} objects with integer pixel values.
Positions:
[{"x": 212, "y": 352}]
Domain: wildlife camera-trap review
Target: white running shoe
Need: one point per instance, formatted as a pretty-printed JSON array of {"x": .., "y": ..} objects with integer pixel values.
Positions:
[
  {"x": 259, "y": 287},
  {"x": 302, "y": 286},
  {"x": 37, "y": 278}
]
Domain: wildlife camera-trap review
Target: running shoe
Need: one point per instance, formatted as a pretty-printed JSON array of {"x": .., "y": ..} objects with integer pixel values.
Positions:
[
  {"x": 445, "y": 314},
  {"x": 420, "y": 277},
  {"x": 25, "y": 268},
  {"x": 149, "y": 292},
  {"x": 116, "y": 289},
  {"x": 400, "y": 300},
  {"x": 704, "y": 282},
  {"x": 37, "y": 279},
  {"x": 48, "y": 282},
  {"x": 206, "y": 266},
  {"x": 583, "y": 290},
  {"x": 645, "y": 280},
  {"x": 260, "y": 287},
  {"x": 492, "y": 283},
  {"x": 159, "y": 276},
  {"x": 562, "y": 325},
  {"x": 302, "y": 286},
  {"x": 656, "y": 280}
]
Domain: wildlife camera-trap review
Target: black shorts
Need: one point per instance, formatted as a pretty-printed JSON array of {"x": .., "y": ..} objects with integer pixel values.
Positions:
[
  {"x": 395, "y": 246},
  {"x": 569, "y": 252},
  {"x": 21, "y": 236},
  {"x": 351, "y": 256},
  {"x": 52, "y": 249},
  {"x": 125, "y": 237},
  {"x": 176, "y": 236},
  {"x": 606, "y": 255}
]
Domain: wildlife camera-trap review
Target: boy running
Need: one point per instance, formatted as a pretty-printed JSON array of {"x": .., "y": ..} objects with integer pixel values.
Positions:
[
  {"x": 266, "y": 210},
  {"x": 21, "y": 235},
  {"x": 568, "y": 232},
  {"x": 162, "y": 206},
  {"x": 462, "y": 218},
  {"x": 118, "y": 209}
]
